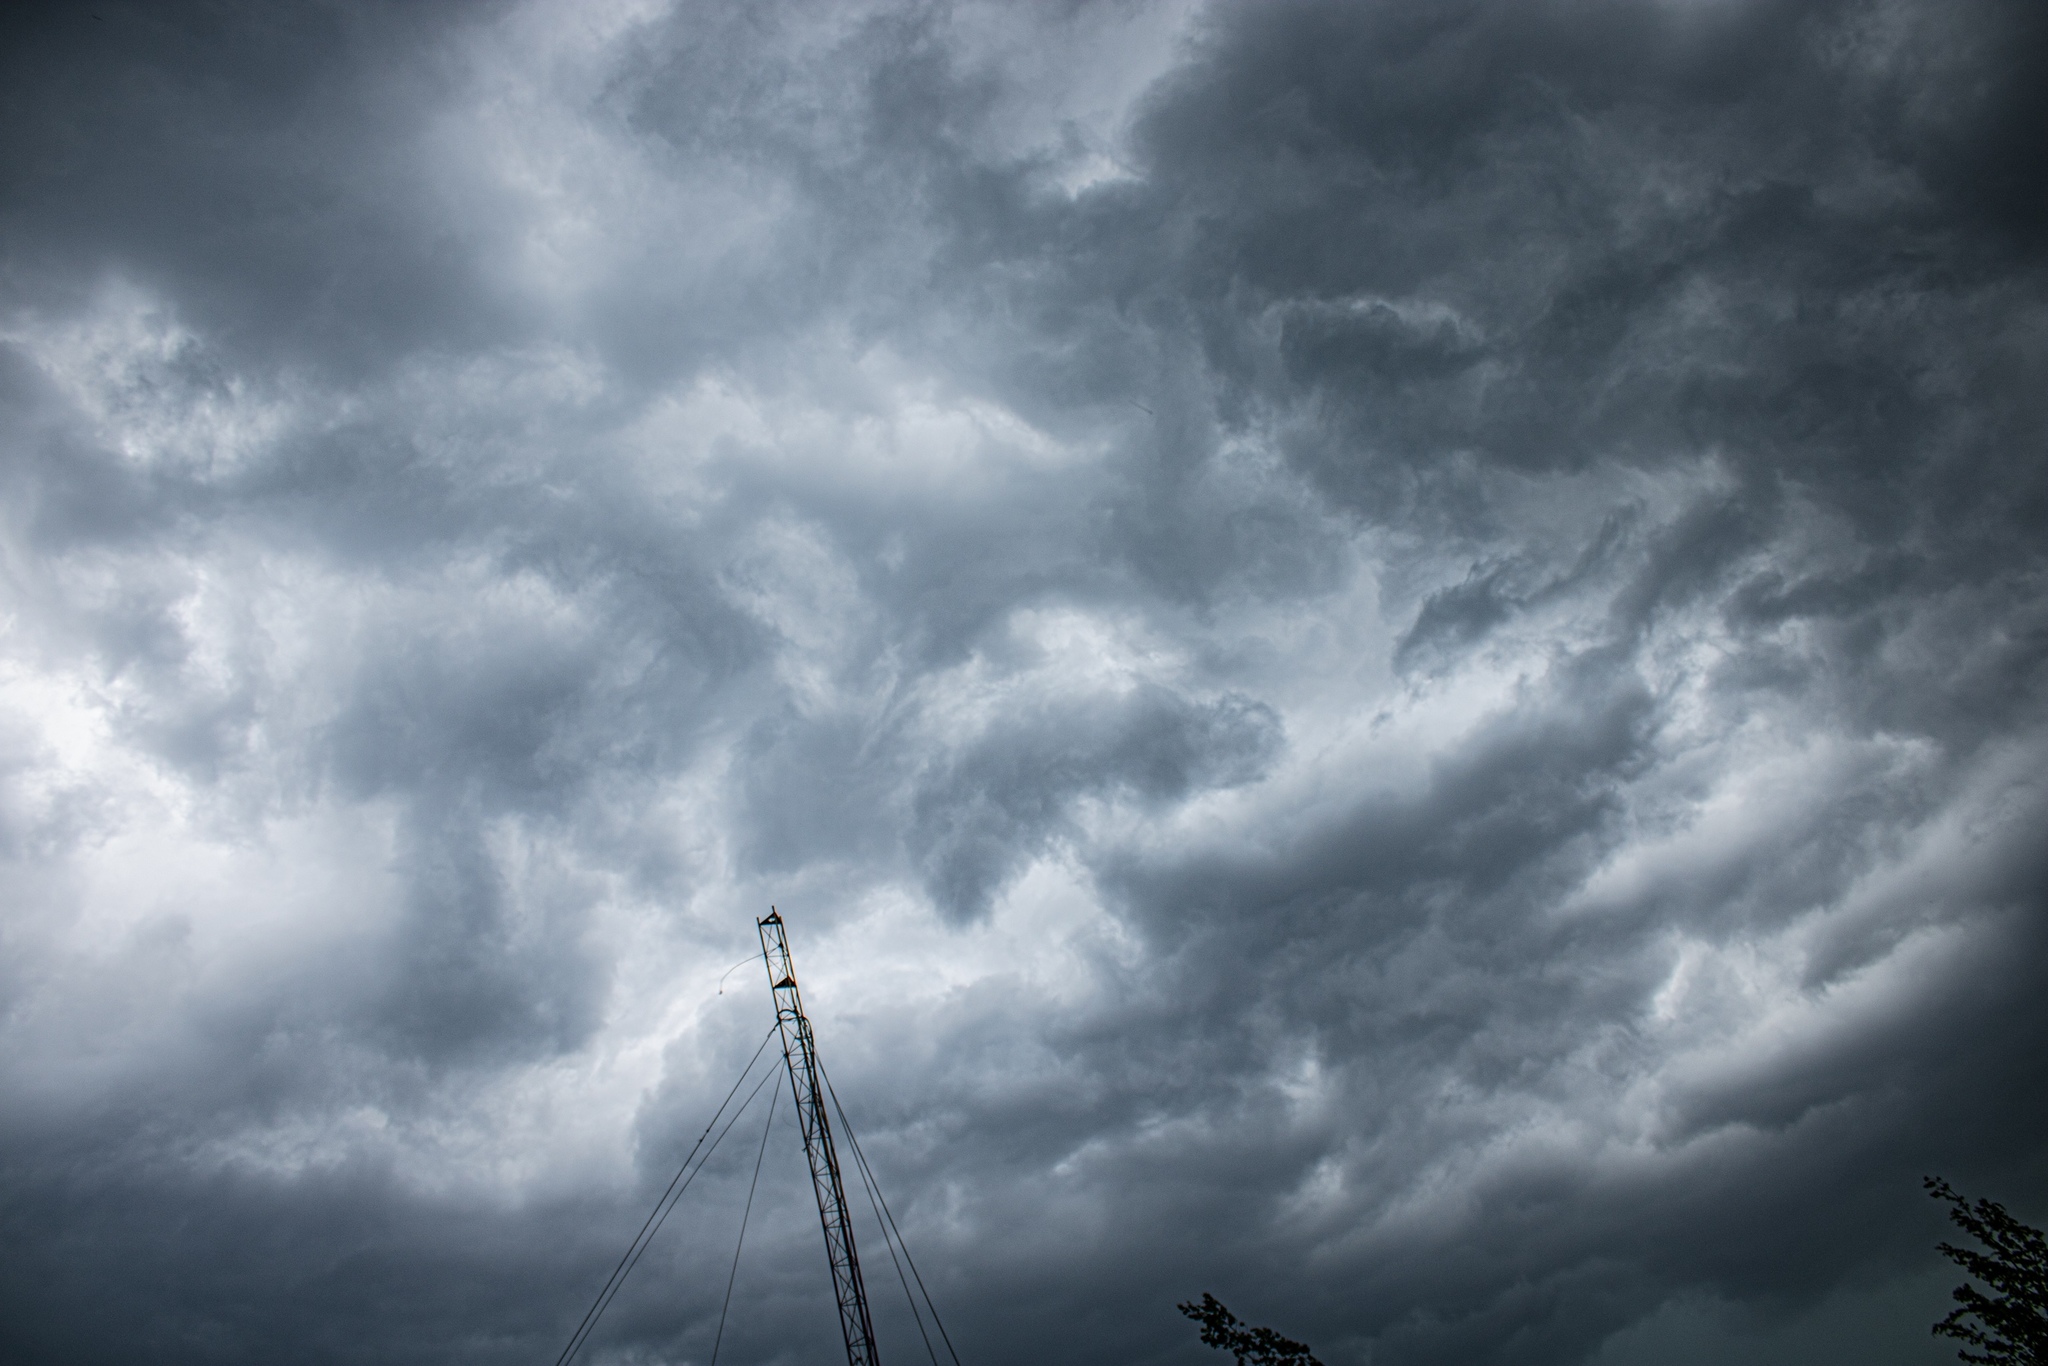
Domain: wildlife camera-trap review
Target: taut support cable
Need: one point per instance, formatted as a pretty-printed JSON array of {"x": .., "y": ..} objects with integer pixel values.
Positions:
[
  {"x": 889, "y": 1224},
  {"x": 665, "y": 1206},
  {"x": 745, "y": 1215}
]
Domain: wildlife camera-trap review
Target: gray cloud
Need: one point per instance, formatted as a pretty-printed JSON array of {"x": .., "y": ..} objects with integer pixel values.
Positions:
[{"x": 1389, "y": 661}]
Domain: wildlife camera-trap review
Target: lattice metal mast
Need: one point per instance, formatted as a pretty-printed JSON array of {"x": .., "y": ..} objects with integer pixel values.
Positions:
[{"x": 800, "y": 1052}]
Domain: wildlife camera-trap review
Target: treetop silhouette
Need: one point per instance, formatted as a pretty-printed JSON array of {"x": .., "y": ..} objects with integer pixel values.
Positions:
[
  {"x": 2011, "y": 1324},
  {"x": 1251, "y": 1346}
]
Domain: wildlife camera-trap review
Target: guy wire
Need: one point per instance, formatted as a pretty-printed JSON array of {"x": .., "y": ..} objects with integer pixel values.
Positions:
[
  {"x": 657, "y": 1216},
  {"x": 745, "y": 1214}
]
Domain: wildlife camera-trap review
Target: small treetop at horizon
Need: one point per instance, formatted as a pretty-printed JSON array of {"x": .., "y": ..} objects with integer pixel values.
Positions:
[{"x": 1251, "y": 1346}]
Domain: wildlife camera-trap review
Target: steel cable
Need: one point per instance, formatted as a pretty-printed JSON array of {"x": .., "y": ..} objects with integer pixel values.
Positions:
[
  {"x": 659, "y": 1215},
  {"x": 868, "y": 1175},
  {"x": 867, "y": 1182},
  {"x": 745, "y": 1215}
]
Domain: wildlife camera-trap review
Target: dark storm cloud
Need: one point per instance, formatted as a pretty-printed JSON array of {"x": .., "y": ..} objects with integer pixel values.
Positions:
[
  {"x": 254, "y": 164},
  {"x": 1389, "y": 656},
  {"x": 1454, "y": 249},
  {"x": 1005, "y": 796}
]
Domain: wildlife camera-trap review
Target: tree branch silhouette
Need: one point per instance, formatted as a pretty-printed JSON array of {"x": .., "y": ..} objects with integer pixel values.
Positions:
[
  {"x": 2012, "y": 1324},
  {"x": 1251, "y": 1346}
]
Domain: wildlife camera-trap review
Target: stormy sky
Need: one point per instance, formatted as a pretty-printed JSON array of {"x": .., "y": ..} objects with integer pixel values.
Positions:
[{"x": 1390, "y": 659}]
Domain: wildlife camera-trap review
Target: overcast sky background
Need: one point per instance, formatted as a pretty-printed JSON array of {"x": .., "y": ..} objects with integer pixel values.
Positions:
[{"x": 1391, "y": 659}]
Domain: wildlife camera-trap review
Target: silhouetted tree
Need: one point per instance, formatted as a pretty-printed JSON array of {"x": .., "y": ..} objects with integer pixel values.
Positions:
[
  {"x": 1251, "y": 1346},
  {"x": 2012, "y": 1328}
]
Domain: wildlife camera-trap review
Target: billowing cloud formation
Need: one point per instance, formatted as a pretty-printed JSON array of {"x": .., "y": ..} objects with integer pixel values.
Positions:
[{"x": 1389, "y": 660}]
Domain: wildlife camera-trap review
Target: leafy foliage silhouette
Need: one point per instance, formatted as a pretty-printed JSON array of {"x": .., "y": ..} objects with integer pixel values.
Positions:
[
  {"x": 1251, "y": 1346},
  {"x": 2012, "y": 1327}
]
